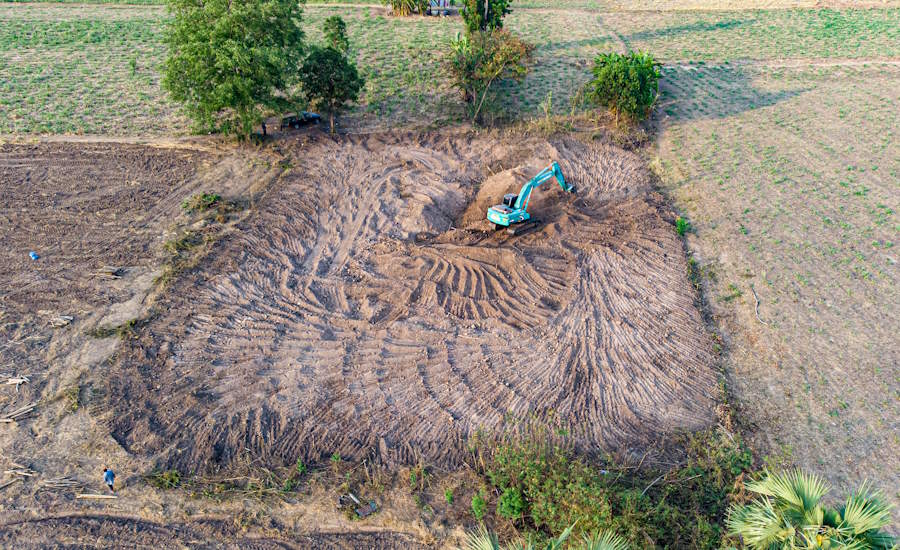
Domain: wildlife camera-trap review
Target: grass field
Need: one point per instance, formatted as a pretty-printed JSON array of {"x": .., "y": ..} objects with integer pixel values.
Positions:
[{"x": 789, "y": 176}]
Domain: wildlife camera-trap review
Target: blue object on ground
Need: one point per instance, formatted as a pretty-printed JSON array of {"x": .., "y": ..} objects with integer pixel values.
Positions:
[
  {"x": 33, "y": 255},
  {"x": 109, "y": 477}
]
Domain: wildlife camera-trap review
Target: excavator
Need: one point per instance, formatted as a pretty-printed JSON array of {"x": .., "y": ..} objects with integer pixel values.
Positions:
[{"x": 513, "y": 213}]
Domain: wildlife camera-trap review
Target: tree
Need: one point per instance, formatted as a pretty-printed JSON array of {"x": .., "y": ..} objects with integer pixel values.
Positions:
[
  {"x": 626, "y": 84},
  {"x": 788, "y": 514},
  {"x": 336, "y": 34},
  {"x": 229, "y": 62},
  {"x": 484, "y": 15},
  {"x": 479, "y": 60},
  {"x": 330, "y": 80}
]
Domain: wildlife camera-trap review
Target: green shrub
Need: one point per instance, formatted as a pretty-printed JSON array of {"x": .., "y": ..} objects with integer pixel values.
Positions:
[
  {"x": 479, "y": 505},
  {"x": 512, "y": 504},
  {"x": 682, "y": 226},
  {"x": 407, "y": 7},
  {"x": 680, "y": 508},
  {"x": 478, "y": 61},
  {"x": 626, "y": 84},
  {"x": 484, "y": 15}
]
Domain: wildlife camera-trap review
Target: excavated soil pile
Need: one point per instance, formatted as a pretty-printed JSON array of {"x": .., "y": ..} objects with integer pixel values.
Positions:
[{"x": 363, "y": 311}]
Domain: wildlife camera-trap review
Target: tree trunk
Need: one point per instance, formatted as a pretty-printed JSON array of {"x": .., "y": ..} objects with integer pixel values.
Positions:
[{"x": 331, "y": 117}]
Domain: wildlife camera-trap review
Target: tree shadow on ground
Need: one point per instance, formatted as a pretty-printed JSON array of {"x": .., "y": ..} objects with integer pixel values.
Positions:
[
  {"x": 698, "y": 26},
  {"x": 718, "y": 91}
]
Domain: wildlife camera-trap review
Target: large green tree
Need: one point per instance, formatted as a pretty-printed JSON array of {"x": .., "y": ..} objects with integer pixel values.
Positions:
[
  {"x": 231, "y": 62},
  {"x": 330, "y": 81}
]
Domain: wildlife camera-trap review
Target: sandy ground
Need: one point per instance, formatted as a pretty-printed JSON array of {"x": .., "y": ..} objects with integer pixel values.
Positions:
[{"x": 359, "y": 306}]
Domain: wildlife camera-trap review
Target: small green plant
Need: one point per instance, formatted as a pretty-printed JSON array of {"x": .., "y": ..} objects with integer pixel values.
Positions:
[
  {"x": 336, "y": 458},
  {"x": 511, "y": 504},
  {"x": 626, "y": 84},
  {"x": 479, "y": 505},
  {"x": 300, "y": 468},
  {"x": 164, "y": 479},
  {"x": 133, "y": 64},
  {"x": 122, "y": 331},
  {"x": 448, "y": 495},
  {"x": 72, "y": 396},
  {"x": 682, "y": 226},
  {"x": 200, "y": 202}
]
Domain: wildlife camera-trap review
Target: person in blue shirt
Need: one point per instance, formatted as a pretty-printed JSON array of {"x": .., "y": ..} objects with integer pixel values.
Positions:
[{"x": 109, "y": 478}]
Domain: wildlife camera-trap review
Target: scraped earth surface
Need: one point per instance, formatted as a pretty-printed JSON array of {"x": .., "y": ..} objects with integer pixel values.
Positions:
[
  {"x": 91, "y": 531},
  {"x": 367, "y": 310}
]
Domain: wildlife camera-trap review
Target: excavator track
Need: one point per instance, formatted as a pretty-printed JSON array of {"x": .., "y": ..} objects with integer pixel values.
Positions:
[{"x": 524, "y": 227}]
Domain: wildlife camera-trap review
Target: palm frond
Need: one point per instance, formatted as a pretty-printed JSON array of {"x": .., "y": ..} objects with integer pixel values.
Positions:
[
  {"x": 794, "y": 488},
  {"x": 760, "y": 525},
  {"x": 482, "y": 539},
  {"x": 865, "y": 510},
  {"x": 603, "y": 541}
]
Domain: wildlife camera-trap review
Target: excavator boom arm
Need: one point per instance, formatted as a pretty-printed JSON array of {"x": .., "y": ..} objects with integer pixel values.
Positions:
[{"x": 549, "y": 172}]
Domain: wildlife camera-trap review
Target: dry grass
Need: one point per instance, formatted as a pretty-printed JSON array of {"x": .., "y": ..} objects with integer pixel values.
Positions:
[{"x": 790, "y": 178}]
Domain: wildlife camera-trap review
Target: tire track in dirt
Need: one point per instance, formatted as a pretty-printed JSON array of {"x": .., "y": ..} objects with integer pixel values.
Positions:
[{"x": 356, "y": 312}]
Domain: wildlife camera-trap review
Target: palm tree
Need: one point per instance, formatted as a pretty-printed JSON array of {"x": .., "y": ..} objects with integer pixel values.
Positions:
[
  {"x": 788, "y": 514},
  {"x": 482, "y": 539}
]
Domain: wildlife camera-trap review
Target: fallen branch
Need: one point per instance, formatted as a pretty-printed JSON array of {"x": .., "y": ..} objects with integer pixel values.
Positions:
[
  {"x": 6, "y": 484},
  {"x": 18, "y": 414},
  {"x": 652, "y": 483},
  {"x": 97, "y": 497},
  {"x": 753, "y": 290}
]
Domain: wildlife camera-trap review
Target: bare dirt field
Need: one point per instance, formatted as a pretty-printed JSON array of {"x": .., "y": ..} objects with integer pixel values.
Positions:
[
  {"x": 364, "y": 311},
  {"x": 359, "y": 306}
]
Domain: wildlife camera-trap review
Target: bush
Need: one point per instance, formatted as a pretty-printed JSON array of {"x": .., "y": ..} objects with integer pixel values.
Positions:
[
  {"x": 484, "y": 15},
  {"x": 479, "y": 505},
  {"x": 228, "y": 63},
  {"x": 482, "y": 59},
  {"x": 681, "y": 508},
  {"x": 626, "y": 84},
  {"x": 511, "y": 504}
]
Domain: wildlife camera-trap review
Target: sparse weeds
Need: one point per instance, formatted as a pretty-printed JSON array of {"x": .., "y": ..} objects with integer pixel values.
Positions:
[
  {"x": 164, "y": 479},
  {"x": 122, "y": 331},
  {"x": 201, "y": 202},
  {"x": 72, "y": 397}
]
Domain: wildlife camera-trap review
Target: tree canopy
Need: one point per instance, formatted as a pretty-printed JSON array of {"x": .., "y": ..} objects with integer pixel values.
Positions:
[
  {"x": 230, "y": 62},
  {"x": 336, "y": 34},
  {"x": 627, "y": 84},
  {"x": 484, "y": 15},
  {"x": 330, "y": 80}
]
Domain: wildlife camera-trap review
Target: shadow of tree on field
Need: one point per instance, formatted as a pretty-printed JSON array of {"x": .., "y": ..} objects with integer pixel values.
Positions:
[
  {"x": 718, "y": 91},
  {"x": 603, "y": 42},
  {"x": 699, "y": 26}
]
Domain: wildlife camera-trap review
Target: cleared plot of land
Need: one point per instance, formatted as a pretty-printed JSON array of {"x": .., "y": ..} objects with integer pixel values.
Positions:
[
  {"x": 790, "y": 176},
  {"x": 366, "y": 311}
]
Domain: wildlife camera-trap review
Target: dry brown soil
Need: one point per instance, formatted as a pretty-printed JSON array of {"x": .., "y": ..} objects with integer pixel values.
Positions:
[
  {"x": 360, "y": 306},
  {"x": 367, "y": 310}
]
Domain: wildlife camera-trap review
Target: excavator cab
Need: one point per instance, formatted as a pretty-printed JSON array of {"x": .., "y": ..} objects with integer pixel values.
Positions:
[{"x": 509, "y": 200}]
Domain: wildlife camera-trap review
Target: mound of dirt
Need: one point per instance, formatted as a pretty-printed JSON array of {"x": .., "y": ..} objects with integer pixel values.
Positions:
[{"x": 350, "y": 315}]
